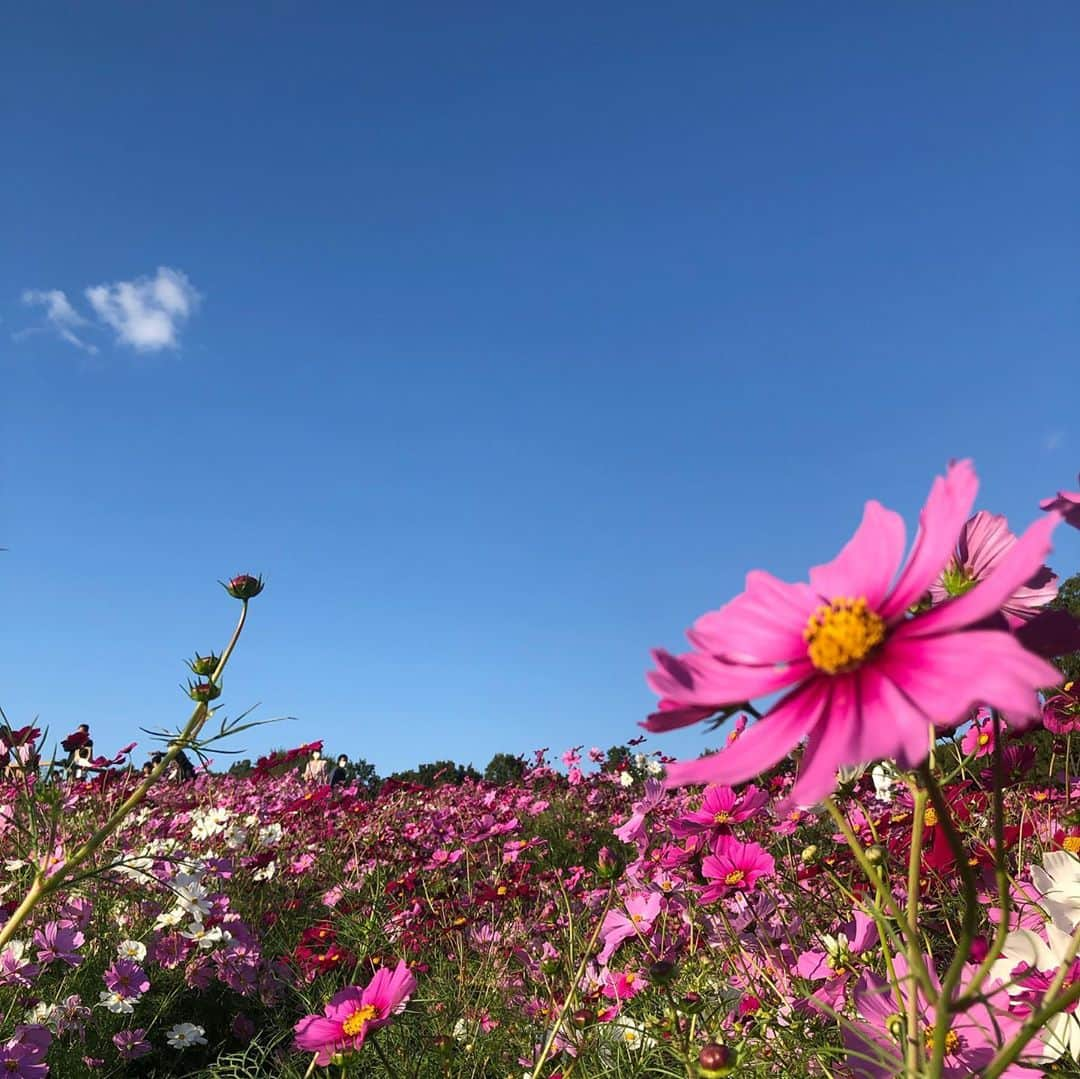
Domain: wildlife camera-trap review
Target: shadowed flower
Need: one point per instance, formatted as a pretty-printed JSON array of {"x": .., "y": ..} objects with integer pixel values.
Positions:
[
  {"x": 866, "y": 678},
  {"x": 1067, "y": 504},
  {"x": 984, "y": 541},
  {"x": 352, "y": 1014}
]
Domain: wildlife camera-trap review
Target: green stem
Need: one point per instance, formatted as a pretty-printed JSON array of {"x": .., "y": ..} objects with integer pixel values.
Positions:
[
  {"x": 44, "y": 885},
  {"x": 554, "y": 1033}
]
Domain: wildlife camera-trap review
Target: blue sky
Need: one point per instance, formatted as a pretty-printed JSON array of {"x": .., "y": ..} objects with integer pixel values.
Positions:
[{"x": 503, "y": 340}]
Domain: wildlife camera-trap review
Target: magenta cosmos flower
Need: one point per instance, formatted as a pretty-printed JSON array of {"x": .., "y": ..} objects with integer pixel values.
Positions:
[
  {"x": 866, "y": 678},
  {"x": 984, "y": 541},
  {"x": 1067, "y": 504},
  {"x": 349, "y": 1016}
]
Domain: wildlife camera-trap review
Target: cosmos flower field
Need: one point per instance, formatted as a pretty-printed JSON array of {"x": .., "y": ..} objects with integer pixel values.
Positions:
[{"x": 875, "y": 875}]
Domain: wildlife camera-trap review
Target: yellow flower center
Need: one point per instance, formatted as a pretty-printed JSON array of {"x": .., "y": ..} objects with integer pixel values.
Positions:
[
  {"x": 930, "y": 817},
  {"x": 355, "y": 1023},
  {"x": 841, "y": 634},
  {"x": 501, "y": 890},
  {"x": 735, "y": 877},
  {"x": 1072, "y": 844},
  {"x": 636, "y": 918},
  {"x": 723, "y": 817},
  {"x": 952, "y": 1041},
  {"x": 984, "y": 739}
]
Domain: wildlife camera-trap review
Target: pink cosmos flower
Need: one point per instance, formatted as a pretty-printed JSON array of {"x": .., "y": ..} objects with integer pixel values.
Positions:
[
  {"x": 984, "y": 541},
  {"x": 876, "y": 1052},
  {"x": 978, "y": 740},
  {"x": 734, "y": 866},
  {"x": 835, "y": 960},
  {"x": 352, "y": 1014},
  {"x": 59, "y": 942},
  {"x": 1061, "y": 712},
  {"x": 1067, "y": 504},
  {"x": 23, "y": 1057},
  {"x": 866, "y": 678},
  {"x": 126, "y": 978},
  {"x": 641, "y": 912},
  {"x": 720, "y": 808},
  {"x": 633, "y": 830}
]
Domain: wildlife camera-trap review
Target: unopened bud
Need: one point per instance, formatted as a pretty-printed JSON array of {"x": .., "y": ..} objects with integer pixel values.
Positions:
[
  {"x": 244, "y": 586},
  {"x": 875, "y": 855},
  {"x": 583, "y": 1017},
  {"x": 204, "y": 666},
  {"x": 609, "y": 866},
  {"x": 810, "y": 854},
  {"x": 662, "y": 972},
  {"x": 691, "y": 1003},
  {"x": 715, "y": 1060},
  {"x": 203, "y": 692}
]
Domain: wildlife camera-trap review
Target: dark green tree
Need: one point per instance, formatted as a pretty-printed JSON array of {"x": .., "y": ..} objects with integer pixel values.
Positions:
[
  {"x": 360, "y": 772},
  {"x": 437, "y": 773},
  {"x": 504, "y": 768},
  {"x": 1068, "y": 599}
]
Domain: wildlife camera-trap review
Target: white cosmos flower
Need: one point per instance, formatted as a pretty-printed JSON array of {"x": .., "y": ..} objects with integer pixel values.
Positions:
[
  {"x": 184, "y": 1034},
  {"x": 131, "y": 949},
  {"x": 1059, "y": 882},
  {"x": 1061, "y": 1034},
  {"x": 117, "y": 1004}
]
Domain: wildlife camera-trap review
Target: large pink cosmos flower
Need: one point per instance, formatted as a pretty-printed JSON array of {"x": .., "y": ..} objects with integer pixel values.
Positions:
[
  {"x": 984, "y": 541},
  {"x": 1067, "y": 504},
  {"x": 867, "y": 679},
  {"x": 349, "y": 1016},
  {"x": 734, "y": 867}
]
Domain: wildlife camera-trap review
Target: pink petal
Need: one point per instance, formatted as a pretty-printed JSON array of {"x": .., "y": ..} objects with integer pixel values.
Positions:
[
  {"x": 693, "y": 678},
  {"x": 763, "y": 625},
  {"x": 869, "y": 561},
  {"x": 760, "y": 746},
  {"x": 984, "y": 541},
  {"x": 316, "y": 1034},
  {"x": 947, "y": 508},
  {"x": 671, "y": 716},
  {"x": 947, "y": 676},
  {"x": 1024, "y": 558}
]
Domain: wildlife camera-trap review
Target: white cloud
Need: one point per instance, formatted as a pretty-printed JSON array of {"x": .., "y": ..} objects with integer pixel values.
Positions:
[
  {"x": 59, "y": 314},
  {"x": 149, "y": 312}
]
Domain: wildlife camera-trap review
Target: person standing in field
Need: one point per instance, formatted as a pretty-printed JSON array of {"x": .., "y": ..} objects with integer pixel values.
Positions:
[{"x": 315, "y": 771}]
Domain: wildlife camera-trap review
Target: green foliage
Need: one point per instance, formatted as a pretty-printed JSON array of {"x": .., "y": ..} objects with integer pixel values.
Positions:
[
  {"x": 437, "y": 773},
  {"x": 1068, "y": 599},
  {"x": 505, "y": 768}
]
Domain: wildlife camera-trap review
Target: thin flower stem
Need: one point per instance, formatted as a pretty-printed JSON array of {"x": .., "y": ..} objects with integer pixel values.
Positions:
[
  {"x": 44, "y": 885},
  {"x": 382, "y": 1057},
  {"x": 1054, "y": 1002},
  {"x": 1001, "y": 874},
  {"x": 945, "y": 1004},
  {"x": 913, "y": 1050},
  {"x": 554, "y": 1033},
  {"x": 873, "y": 876}
]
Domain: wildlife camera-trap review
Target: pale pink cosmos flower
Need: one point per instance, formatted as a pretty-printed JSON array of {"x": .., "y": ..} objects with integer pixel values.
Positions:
[
  {"x": 352, "y": 1014},
  {"x": 56, "y": 941},
  {"x": 984, "y": 541},
  {"x": 865, "y": 677},
  {"x": 641, "y": 912}
]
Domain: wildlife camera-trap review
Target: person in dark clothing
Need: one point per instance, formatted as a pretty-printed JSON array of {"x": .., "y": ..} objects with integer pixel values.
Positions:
[
  {"x": 340, "y": 774},
  {"x": 182, "y": 768},
  {"x": 80, "y": 750}
]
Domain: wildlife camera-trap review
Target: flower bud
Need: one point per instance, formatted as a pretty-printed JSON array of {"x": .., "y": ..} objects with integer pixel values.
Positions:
[
  {"x": 715, "y": 1060},
  {"x": 204, "y": 666},
  {"x": 443, "y": 1044},
  {"x": 810, "y": 854},
  {"x": 583, "y": 1017},
  {"x": 692, "y": 1003},
  {"x": 244, "y": 586},
  {"x": 609, "y": 865},
  {"x": 662, "y": 972},
  {"x": 875, "y": 855},
  {"x": 203, "y": 692}
]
